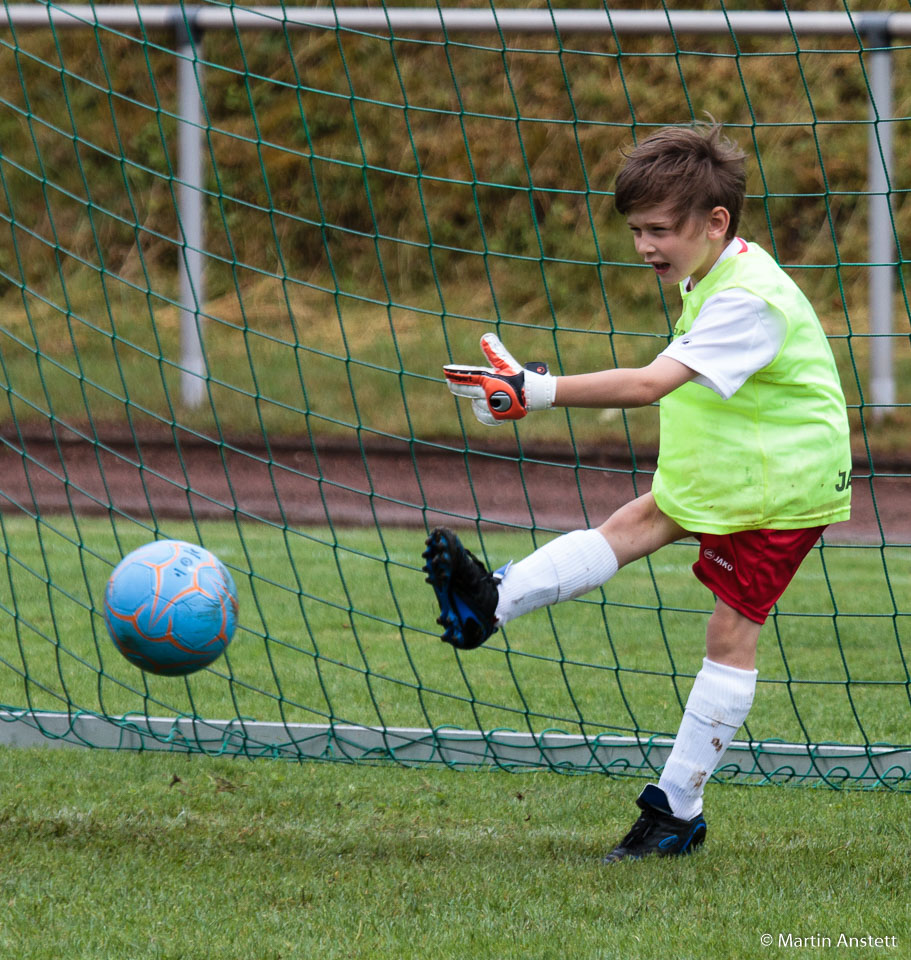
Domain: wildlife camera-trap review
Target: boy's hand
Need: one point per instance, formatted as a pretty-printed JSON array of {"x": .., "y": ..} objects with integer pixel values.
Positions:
[{"x": 505, "y": 390}]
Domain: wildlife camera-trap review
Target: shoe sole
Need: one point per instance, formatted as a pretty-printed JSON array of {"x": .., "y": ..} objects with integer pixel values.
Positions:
[{"x": 461, "y": 625}]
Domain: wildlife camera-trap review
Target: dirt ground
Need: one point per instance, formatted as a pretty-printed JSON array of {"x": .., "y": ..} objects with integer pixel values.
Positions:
[{"x": 392, "y": 484}]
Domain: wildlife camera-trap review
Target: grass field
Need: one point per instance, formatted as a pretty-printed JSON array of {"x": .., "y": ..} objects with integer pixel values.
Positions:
[
  {"x": 109, "y": 856},
  {"x": 341, "y": 627},
  {"x": 134, "y": 856}
]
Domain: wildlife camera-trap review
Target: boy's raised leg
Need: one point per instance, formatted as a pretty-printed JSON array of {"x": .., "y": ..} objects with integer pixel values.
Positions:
[{"x": 474, "y": 602}]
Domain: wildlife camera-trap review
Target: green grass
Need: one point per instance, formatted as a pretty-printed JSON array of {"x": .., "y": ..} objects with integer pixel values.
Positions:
[
  {"x": 341, "y": 627},
  {"x": 134, "y": 857}
]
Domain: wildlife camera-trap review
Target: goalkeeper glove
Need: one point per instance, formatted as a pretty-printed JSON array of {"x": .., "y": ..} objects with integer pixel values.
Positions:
[{"x": 504, "y": 391}]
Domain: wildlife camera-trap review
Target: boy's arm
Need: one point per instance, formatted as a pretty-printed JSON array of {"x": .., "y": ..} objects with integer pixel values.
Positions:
[
  {"x": 507, "y": 391},
  {"x": 624, "y": 386}
]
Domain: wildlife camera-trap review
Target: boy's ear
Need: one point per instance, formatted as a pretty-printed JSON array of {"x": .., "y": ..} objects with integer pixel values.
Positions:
[{"x": 719, "y": 221}]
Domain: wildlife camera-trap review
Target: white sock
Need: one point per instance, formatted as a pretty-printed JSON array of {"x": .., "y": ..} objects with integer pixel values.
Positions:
[
  {"x": 717, "y": 706},
  {"x": 563, "y": 569}
]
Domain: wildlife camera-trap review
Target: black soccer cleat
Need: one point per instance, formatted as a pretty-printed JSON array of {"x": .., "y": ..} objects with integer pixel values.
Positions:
[
  {"x": 465, "y": 590},
  {"x": 658, "y": 831}
]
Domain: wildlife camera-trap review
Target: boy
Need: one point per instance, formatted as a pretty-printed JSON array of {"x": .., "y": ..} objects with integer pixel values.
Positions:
[{"x": 754, "y": 456}]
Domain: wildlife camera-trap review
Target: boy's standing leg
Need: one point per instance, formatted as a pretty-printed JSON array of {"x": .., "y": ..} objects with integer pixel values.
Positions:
[
  {"x": 671, "y": 822},
  {"x": 717, "y": 706},
  {"x": 756, "y": 566}
]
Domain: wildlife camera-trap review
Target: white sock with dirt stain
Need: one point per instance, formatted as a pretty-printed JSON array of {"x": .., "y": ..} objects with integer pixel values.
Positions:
[{"x": 717, "y": 706}]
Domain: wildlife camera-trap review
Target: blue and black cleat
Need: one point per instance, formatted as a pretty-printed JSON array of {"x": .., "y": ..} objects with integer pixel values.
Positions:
[
  {"x": 465, "y": 590},
  {"x": 658, "y": 831}
]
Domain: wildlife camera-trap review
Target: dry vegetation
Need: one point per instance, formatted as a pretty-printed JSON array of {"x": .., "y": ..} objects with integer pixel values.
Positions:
[{"x": 384, "y": 201}]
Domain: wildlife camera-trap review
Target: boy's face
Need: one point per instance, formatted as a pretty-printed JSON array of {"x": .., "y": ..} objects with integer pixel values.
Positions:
[{"x": 679, "y": 251}]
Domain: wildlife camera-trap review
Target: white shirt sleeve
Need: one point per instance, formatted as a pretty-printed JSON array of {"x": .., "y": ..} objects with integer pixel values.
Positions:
[{"x": 734, "y": 335}]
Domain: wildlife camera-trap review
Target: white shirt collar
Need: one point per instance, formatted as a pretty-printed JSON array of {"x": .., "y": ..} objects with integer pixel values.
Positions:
[{"x": 737, "y": 245}]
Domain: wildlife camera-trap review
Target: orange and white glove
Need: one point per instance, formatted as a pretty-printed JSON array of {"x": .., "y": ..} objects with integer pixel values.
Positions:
[{"x": 504, "y": 391}]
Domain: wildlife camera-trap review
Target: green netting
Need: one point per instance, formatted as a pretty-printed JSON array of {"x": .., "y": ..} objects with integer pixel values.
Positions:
[{"x": 375, "y": 199}]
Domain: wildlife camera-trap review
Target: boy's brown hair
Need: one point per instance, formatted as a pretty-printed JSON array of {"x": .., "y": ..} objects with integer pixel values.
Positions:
[{"x": 694, "y": 169}]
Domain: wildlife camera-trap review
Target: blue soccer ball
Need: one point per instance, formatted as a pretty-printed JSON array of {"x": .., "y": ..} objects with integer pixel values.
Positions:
[{"x": 171, "y": 607}]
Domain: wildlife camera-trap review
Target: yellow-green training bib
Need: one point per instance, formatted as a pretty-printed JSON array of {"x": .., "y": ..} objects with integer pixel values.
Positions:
[{"x": 777, "y": 453}]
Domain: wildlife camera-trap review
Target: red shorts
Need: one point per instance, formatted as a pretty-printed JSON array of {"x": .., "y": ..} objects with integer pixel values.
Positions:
[{"x": 750, "y": 570}]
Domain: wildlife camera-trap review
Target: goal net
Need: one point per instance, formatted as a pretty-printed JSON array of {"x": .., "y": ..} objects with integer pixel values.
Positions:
[{"x": 239, "y": 244}]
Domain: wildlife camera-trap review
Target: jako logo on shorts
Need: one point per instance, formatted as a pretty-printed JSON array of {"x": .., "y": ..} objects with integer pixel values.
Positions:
[{"x": 711, "y": 555}]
